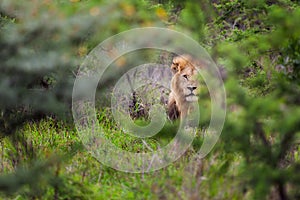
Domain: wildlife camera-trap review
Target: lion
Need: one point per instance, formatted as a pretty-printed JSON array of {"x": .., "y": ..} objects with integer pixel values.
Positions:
[{"x": 184, "y": 86}]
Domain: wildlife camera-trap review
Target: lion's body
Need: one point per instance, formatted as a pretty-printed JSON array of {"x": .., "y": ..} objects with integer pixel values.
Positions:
[{"x": 184, "y": 87}]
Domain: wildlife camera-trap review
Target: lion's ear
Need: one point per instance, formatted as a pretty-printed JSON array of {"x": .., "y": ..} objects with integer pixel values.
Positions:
[{"x": 174, "y": 67}]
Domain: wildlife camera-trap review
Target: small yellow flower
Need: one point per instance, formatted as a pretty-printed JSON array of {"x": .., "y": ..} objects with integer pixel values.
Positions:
[
  {"x": 95, "y": 11},
  {"x": 128, "y": 9},
  {"x": 161, "y": 13}
]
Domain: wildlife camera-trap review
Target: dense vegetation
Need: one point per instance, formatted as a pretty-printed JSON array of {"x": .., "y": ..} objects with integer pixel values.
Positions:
[{"x": 256, "y": 45}]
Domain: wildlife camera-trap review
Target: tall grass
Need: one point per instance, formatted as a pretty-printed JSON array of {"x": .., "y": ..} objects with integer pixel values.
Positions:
[{"x": 68, "y": 171}]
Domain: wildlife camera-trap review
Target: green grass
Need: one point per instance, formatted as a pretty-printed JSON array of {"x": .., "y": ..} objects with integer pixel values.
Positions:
[
  {"x": 65, "y": 170},
  {"x": 47, "y": 160}
]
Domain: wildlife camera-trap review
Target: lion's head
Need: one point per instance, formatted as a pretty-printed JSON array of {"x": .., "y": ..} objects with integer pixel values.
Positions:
[
  {"x": 180, "y": 62},
  {"x": 184, "y": 86}
]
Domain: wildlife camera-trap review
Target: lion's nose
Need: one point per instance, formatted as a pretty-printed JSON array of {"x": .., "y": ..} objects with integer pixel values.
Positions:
[{"x": 192, "y": 88}]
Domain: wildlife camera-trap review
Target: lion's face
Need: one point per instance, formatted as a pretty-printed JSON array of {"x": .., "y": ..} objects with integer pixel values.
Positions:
[{"x": 184, "y": 83}]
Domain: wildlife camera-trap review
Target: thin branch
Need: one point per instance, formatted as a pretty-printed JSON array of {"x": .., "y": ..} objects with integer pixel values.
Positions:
[{"x": 259, "y": 130}]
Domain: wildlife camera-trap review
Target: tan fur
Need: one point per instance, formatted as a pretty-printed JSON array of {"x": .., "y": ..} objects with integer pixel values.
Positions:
[
  {"x": 184, "y": 86},
  {"x": 180, "y": 62}
]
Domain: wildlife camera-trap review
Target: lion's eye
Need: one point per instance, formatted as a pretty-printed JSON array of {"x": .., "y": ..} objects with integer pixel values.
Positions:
[
  {"x": 176, "y": 64},
  {"x": 185, "y": 76}
]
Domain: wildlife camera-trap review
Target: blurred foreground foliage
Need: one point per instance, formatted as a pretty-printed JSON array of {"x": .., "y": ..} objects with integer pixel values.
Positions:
[{"x": 257, "y": 42}]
